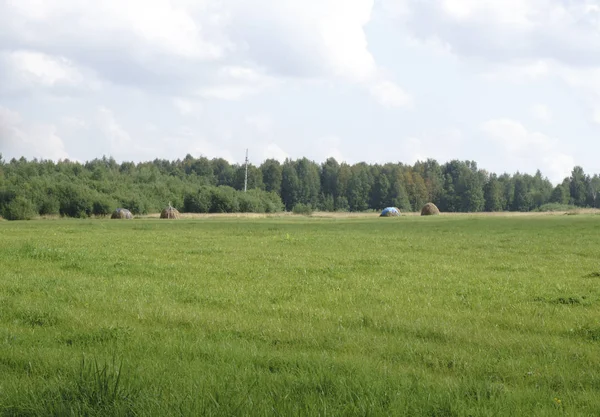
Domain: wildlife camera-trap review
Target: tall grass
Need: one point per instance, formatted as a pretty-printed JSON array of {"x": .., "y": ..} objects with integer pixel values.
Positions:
[{"x": 446, "y": 316}]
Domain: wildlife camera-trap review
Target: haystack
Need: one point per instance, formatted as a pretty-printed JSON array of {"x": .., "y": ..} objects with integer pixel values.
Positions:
[
  {"x": 390, "y": 212},
  {"x": 169, "y": 213},
  {"x": 122, "y": 213},
  {"x": 430, "y": 209}
]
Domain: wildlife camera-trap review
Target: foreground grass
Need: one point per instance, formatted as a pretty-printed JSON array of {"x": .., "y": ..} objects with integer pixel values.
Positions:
[{"x": 447, "y": 316}]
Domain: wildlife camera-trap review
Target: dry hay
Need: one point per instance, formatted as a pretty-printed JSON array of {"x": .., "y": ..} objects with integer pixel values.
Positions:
[
  {"x": 122, "y": 213},
  {"x": 430, "y": 209},
  {"x": 169, "y": 213},
  {"x": 391, "y": 214}
]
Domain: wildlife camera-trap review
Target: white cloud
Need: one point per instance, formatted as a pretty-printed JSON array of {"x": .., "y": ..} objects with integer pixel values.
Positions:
[
  {"x": 305, "y": 38},
  {"x": 208, "y": 48},
  {"x": 237, "y": 82},
  {"x": 29, "y": 70},
  {"x": 118, "y": 138},
  {"x": 519, "y": 14},
  {"x": 519, "y": 72},
  {"x": 390, "y": 94},
  {"x": 20, "y": 138},
  {"x": 541, "y": 112},
  {"x": 330, "y": 146},
  {"x": 596, "y": 114},
  {"x": 440, "y": 144},
  {"x": 261, "y": 122},
  {"x": 170, "y": 27},
  {"x": 184, "y": 106},
  {"x": 499, "y": 30},
  {"x": 528, "y": 150},
  {"x": 273, "y": 151},
  {"x": 74, "y": 123}
]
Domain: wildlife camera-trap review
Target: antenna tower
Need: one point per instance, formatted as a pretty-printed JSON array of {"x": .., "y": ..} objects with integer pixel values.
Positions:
[{"x": 246, "y": 177}]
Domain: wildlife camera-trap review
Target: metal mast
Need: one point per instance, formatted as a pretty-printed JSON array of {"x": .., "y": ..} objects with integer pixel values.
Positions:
[{"x": 246, "y": 177}]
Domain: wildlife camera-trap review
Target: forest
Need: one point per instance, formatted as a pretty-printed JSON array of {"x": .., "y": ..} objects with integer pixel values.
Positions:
[{"x": 30, "y": 188}]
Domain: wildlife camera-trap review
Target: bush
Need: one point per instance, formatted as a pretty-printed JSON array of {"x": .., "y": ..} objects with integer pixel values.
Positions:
[
  {"x": 102, "y": 207},
  {"x": 304, "y": 209},
  {"x": 19, "y": 208},
  {"x": 555, "y": 207},
  {"x": 273, "y": 203},
  {"x": 134, "y": 204},
  {"x": 49, "y": 205},
  {"x": 341, "y": 204},
  {"x": 198, "y": 202},
  {"x": 224, "y": 200},
  {"x": 75, "y": 202},
  {"x": 326, "y": 203},
  {"x": 250, "y": 203}
]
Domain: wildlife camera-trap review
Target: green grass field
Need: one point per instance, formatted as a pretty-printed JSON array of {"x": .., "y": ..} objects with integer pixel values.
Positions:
[{"x": 446, "y": 316}]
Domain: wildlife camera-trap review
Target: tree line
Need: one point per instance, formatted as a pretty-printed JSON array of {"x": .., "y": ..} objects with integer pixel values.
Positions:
[{"x": 44, "y": 187}]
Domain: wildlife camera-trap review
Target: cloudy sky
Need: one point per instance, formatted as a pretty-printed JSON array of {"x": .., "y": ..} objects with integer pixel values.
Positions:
[{"x": 512, "y": 84}]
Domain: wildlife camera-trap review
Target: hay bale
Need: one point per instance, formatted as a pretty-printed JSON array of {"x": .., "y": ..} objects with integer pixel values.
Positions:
[
  {"x": 169, "y": 213},
  {"x": 121, "y": 213},
  {"x": 390, "y": 212},
  {"x": 430, "y": 209}
]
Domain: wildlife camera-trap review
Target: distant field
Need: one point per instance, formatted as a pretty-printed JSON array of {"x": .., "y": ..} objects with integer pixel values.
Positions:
[{"x": 443, "y": 316}]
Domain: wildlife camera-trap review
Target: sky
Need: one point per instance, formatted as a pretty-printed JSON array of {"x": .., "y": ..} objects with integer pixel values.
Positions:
[{"x": 511, "y": 84}]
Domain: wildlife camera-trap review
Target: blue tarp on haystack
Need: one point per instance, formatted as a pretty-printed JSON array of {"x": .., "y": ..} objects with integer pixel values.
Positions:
[
  {"x": 390, "y": 211},
  {"x": 122, "y": 213}
]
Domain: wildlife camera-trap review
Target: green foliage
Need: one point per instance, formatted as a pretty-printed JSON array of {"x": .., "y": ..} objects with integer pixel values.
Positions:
[
  {"x": 135, "y": 204},
  {"x": 290, "y": 185},
  {"x": 19, "y": 208},
  {"x": 75, "y": 201},
  {"x": 103, "y": 206},
  {"x": 326, "y": 203},
  {"x": 49, "y": 205},
  {"x": 227, "y": 200},
  {"x": 555, "y": 207},
  {"x": 304, "y": 209},
  {"x": 358, "y": 189},
  {"x": 341, "y": 204},
  {"x": 199, "y": 202},
  {"x": 272, "y": 175},
  {"x": 309, "y": 182},
  {"x": 492, "y": 193},
  {"x": 81, "y": 190},
  {"x": 251, "y": 202},
  {"x": 578, "y": 186},
  {"x": 224, "y": 200},
  {"x": 380, "y": 193}
]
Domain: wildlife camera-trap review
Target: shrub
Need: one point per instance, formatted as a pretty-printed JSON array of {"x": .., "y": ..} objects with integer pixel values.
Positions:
[
  {"x": 326, "y": 203},
  {"x": 224, "y": 200},
  {"x": 102, "y": 207},
  {"x": 273, "y": 203},
  {"x": 198, "y": 202},
  {"x": 75, "y": 202},
  {"x": 19, "y": 208},
  {"x": 134, "y": 204},
  {"x": 301, "y": 208},
  {"x": 250, "y": 202},
  {"x": 49, "y": 205},
  {"x": 555, "y": 207},
  {"x": 341, "y": 204}
]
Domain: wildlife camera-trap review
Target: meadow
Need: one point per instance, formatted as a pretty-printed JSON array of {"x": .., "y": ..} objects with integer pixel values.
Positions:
[{"x": 410, "y": 316}]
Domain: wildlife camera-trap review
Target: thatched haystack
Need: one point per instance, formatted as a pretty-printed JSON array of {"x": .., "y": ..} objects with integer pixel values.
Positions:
[
  {"x": 169, "y": 213},
  {"x": 430, "y": 209},
  {"x": 390, "y": 212},
  {"x": 121, "y": 213}
]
